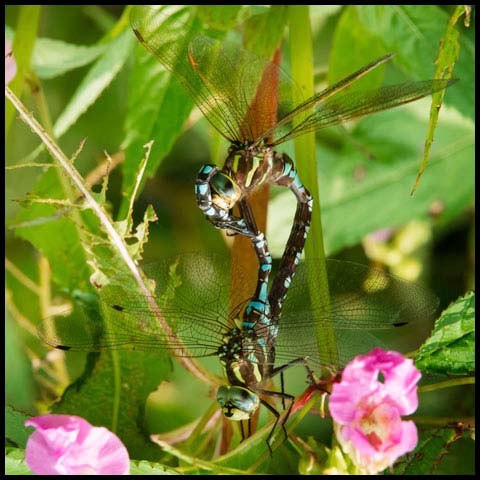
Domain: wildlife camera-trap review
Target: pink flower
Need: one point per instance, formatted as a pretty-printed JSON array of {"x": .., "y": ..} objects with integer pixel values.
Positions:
[
  {"x": 10, "y": 65},
  {"x": 367, "y": 410},
  {"x": 69, "y": 445}
]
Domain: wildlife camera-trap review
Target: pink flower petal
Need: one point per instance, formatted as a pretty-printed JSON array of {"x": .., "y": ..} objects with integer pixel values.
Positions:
[
  {"x": 345, "y": 398},
  {"x": 366, "y": 406},
  {"x": 69, "y": 445}
]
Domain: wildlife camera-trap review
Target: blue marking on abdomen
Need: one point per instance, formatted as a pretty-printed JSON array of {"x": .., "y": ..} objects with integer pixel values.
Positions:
[
  {"x": 298, "y": 183},
  {"x": 287, "y": 168},
  {"x": 258, "y": 305},
  {"x": 206, "y": 169},
  {"x": 263, "y": 292}
]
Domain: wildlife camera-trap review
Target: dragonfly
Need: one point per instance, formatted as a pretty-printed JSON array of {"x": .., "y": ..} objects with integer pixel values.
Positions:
[
  {"x": 193, "y": 296},
  {"x": 250, "y": 102}
]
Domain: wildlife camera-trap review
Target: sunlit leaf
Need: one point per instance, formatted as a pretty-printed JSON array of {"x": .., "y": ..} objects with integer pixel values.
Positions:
[
  {"x": 450, "y": 350},
  {"x": 96, "y": 81},
  {"x": 447, "y": 57},
  {"x": 15, "y": 462}
]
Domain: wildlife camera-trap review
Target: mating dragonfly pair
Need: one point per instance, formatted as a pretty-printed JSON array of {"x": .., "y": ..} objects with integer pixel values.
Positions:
[{"x": 277, "y": 327}]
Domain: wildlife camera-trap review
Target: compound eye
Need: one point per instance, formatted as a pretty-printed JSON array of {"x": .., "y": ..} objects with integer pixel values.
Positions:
[
  {"x": 237, "y": 403},
  {"x": 223, "y": 184},
  {"x": 227, "y": 191}
]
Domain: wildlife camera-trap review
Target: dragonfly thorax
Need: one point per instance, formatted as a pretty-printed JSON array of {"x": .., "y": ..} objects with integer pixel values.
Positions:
[
  {"x": 242, "y": 356},
  {"x": 248, "y": 167}
]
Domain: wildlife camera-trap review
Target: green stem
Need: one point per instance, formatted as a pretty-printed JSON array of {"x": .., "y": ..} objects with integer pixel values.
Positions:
[
  {"x": 279, "y": 436},
  {"x": 441, "y": 421},
  {"x": 453, "y": 382},
  {"x": 302, "y": 72},
  {"x": 201, "y": 424},
  {"x": 117, "y": 386},
  {"x": 196, "y": 462}
]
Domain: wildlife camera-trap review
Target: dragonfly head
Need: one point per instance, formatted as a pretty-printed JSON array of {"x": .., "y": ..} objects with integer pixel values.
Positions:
[
  {"x": 225, "y": 192},
  {"x": 238, "y": 403}
]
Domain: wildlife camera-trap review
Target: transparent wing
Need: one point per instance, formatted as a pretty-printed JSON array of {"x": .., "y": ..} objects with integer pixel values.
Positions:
[
  {"x": 235, "y": 89},
  {"x": 364, "y": 304},
  {"x": 192, "y": 292},
  {"x": 188, "y": 314},
  {"x": 249, "y": 99},
  {"x": 327, "y": 109}
]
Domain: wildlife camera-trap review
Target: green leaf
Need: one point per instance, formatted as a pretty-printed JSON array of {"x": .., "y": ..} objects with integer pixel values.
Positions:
[
  {"x": 15, "y": 430},
  {"x": 57, "y": 237},
  {"x": 47, "y": 228},
  {"x": 219, "y": 17},
  {"x": 110, "y": 394},
  {"x": 19, "y": 382},
  {"x": 96, "y": 81},
  {"x": 432, "y": 446},
  {"x": 353, "y": 47},
  {"x": 150, "y": 468},
  {"x": 450, "y": 350},
  {"x": 272, "y": 21},
  {"x": 52, "y": 58},
  {"x": 414, "y": 33},
  {"x": 157, "y": 110},
  {"x": 15, "y": 462},
  {"x": 141, "y": 233},
  {"x": 447, "y": 56},
  {"x": 370, "y": 178}
]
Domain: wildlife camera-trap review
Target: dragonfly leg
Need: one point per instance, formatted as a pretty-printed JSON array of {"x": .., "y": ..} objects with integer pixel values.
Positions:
[
  {"x": 285, "y": 174},
  {"x": 296, "y": 361},
  {"x": 283, "y": 396},
  {"x": 242, "y": 431}
]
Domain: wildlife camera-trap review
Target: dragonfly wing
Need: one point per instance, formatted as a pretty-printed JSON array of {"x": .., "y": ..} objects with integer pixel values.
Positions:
[
  {"x": 131, "y": 323},
  {"x": 187, "y": 313},
  {"x": 326, "y": 111},
  {"x": 235, "y": 89},
  {"x": 366, "y": 308},
  {"x": 167, "y": 34},
  {"x": 249, "y": 91}
]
